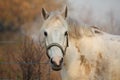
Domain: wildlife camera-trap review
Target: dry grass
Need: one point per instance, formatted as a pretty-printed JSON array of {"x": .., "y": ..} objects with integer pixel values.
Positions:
[{"x": 25, "y": 61}]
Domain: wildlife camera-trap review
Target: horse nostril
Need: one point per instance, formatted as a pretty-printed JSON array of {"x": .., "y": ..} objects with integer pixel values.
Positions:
[
  {"x": 61, "y": 60},
  {"x": 51, "y": 61}
]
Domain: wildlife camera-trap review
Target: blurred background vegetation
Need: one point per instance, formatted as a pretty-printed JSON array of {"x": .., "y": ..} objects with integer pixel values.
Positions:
[{"x": 13, "y": 15}]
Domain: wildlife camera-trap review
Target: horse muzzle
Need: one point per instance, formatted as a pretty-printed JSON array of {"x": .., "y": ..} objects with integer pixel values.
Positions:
[{"x": 56, "y": 65}]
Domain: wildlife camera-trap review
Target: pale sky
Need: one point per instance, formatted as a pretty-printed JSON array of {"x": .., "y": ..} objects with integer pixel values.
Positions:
[{"x": 98, "y": 11}]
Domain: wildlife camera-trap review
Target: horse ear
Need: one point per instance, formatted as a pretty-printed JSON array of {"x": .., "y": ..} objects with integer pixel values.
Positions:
[
  {"x": 65, "y": 12},
  {"x": 45, "y": 14}
]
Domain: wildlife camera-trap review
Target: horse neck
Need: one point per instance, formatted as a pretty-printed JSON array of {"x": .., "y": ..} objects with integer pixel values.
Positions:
[
  {"x": 81, "y": 47},
  {"x": 72, "y": 52}
]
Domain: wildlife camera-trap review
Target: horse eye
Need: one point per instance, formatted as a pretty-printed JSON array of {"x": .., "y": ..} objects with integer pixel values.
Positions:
[
  {"x": 45, "y": 33},
  {"x": 66, "y": 33}
]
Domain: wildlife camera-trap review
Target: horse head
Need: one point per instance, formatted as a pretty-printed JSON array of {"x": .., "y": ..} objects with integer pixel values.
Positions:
[{"x": 55, "y": 32}]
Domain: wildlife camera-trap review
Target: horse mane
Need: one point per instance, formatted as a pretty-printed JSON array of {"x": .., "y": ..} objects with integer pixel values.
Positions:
[{"x": 77, "y": 30}]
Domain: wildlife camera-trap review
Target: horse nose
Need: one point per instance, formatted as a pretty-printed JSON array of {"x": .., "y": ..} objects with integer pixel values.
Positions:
[{"x": 56, "y": 63}]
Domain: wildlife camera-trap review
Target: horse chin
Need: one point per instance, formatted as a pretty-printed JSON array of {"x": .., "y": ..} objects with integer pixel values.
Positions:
[{"x": 56, "y": 68}]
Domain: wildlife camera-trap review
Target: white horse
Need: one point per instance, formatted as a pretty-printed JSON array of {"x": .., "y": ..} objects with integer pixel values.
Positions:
[{"x": 80, "y": 53}]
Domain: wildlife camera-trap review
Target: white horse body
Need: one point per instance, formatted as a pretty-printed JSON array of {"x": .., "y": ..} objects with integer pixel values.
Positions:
[
  {"x": 100, "y": 58},
  {"x": 81, "y": 53}
]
